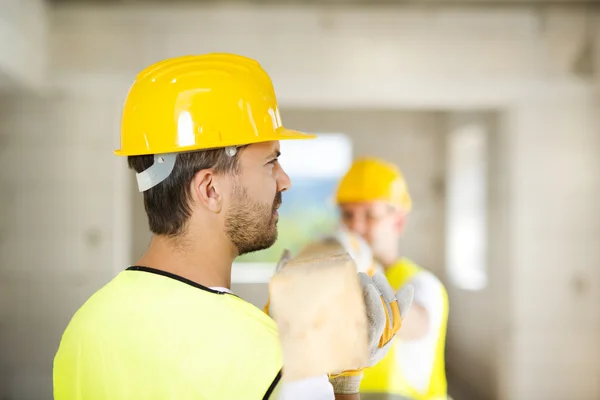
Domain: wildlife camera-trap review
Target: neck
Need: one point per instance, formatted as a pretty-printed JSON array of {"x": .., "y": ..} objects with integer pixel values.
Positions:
[{"x": 205, "y": 259}]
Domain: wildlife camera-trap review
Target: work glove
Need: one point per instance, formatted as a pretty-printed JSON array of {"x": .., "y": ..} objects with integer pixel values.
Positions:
[
  {"x": 358, "y": 249},
  {"x": 385, "y": 312}
]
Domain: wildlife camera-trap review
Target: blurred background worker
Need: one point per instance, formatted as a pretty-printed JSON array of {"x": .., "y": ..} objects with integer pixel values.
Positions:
[{"x": 374, "y": 202}]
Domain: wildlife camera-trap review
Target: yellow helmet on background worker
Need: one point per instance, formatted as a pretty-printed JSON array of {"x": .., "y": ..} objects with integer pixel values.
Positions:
[
  {"x": 372, "y": 179},
  {"x": 198, "y": 102}
]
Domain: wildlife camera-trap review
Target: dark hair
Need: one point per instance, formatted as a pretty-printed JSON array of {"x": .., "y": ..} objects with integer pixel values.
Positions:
[{"x": 167, "y": 204}]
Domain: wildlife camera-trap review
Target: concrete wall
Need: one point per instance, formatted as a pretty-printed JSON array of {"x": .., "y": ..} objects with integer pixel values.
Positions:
[
  {"x": 23, "y": 44},
  {"x": 478, "y": 318},
  {"x": 65, "y": 222},
  {"x": 555, "y": 234},
  {"x": 59, "y": 231}
]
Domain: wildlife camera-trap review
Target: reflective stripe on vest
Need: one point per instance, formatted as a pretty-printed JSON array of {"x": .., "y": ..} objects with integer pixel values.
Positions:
[
  {"x": 387, "y": 376},
  {"x": 151, "y": 335}
]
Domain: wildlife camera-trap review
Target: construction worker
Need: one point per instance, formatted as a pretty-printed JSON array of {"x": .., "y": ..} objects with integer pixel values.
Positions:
[
  {"x": 202, "y": 134},
  {"x": 374, "y": 202}
]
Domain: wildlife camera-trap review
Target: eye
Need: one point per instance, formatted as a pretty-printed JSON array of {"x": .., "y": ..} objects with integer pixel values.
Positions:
[
  {"x": 273, "y": 161},
  {"x": 374, "y": 217}
]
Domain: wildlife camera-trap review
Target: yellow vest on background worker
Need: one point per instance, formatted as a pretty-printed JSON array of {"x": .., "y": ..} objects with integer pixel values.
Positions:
[
  {"x": 138, "y": 338},
  {"x": 387, "y": 376}
]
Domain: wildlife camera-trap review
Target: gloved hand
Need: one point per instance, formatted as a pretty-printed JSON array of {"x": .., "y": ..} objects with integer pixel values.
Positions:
[
  {"x": 358, "y": 249},
  {"x": 385, "y": 311}
]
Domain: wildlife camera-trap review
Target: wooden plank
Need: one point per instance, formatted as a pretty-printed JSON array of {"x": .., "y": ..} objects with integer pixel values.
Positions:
[{"x": 318, "y": 305}]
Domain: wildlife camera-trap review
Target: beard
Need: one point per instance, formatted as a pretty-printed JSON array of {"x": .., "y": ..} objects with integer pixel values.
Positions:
[{"x": 249, "y": 224}]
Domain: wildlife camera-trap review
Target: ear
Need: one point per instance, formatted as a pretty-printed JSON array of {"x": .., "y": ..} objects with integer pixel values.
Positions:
[{"x": 205, "y": 191}]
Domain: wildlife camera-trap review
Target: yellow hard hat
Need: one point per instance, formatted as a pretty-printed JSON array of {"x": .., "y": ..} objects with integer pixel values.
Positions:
[
  {"x": 201, "y": 102},
  {"x": 372, "y": 179}
]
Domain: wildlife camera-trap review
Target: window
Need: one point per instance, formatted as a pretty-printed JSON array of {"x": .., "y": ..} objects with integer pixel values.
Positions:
[
  {"x": 466, "y": 212},
  {"x": 308, "y": 210}
]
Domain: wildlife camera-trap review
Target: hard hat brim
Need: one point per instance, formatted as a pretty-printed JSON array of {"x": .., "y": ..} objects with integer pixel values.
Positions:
[{"x": 279, "y": 134}]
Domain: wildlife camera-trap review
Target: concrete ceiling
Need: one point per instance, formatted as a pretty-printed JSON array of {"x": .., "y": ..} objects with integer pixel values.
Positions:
[{"x": 342, "y": 2}]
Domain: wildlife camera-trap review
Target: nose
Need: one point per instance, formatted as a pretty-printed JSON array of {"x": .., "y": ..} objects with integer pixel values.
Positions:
[{"x": 283, "y": 181}]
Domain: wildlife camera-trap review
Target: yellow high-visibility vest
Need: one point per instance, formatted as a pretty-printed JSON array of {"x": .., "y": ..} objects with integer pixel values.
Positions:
[
  {"x": 149, "y": 334},
  {"x": 387, "y": 375}
]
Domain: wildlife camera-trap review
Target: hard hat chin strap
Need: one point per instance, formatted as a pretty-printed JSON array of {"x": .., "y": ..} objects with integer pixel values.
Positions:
[
  {"x": 162, "y": 168},
  {"x": 158, "y": 172}
]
